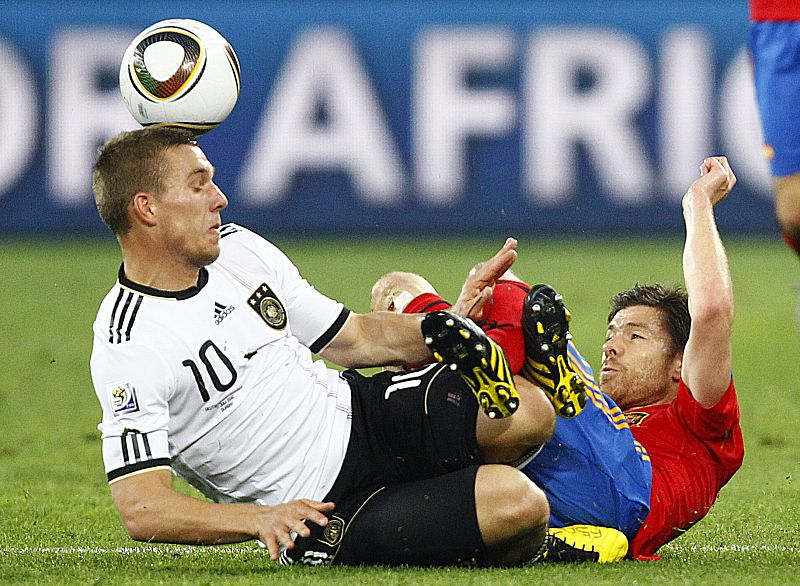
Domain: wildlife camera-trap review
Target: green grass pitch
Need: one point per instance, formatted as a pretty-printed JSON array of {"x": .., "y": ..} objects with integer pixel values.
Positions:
[{"x": 57, "y": 521}]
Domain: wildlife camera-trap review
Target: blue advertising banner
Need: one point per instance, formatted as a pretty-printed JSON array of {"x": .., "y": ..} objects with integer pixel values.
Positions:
[{"x": 385, "y": 117}]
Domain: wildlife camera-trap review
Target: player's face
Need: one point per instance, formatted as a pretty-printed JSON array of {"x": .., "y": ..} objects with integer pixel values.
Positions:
[
  {"x": 189, "y": 210},
  {"x": 638, "y": 367}
]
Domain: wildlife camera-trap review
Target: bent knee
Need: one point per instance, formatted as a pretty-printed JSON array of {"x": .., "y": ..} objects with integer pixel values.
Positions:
[
  {"x": 510, "y": 498},
  {"x": 787, "y": 202}
]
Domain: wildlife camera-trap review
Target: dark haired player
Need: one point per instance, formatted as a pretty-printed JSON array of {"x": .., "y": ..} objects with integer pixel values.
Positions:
[{"x": 665, "y": 400}]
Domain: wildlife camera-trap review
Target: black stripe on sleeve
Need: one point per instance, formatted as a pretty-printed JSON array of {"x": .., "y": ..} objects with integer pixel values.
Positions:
[
  {"x": 146, "y": 442},
  {"x": 125, "y": 470},
  {"x": 227, "y": 230},
  {"x": 113, "y": 316},
  {"x": 133, "y": 317},
  {"x": 135, "y": 441},
  {"x": 325, "y": 338},
  {"x": 125, "y": 457},
  {"x": 122, "y": 317}
]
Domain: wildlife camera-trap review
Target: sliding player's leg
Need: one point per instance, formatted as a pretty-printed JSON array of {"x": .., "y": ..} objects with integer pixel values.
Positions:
[
  {"x": 481, "y": 515},
  {"x": 592, "y": 470},
  {"x": 545, "y": 323}
]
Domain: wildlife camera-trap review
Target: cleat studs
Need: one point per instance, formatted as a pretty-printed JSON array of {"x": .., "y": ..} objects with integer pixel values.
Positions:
[
  {"x": 453, "y": 366},
  {"x": 449, "y": 323},
  {"x": 536, "y": 308},
  {"x": 539, "y": 328},
  {"x": 545, "y": 348},
  {"x": 479, "y": 347},
  {"x": 559, "y": 297},
  {"x": 428, "y": 340},
  {"x": 568, "y": 336},
  {"x": 492, "y": 415},
  {"x": 438, "y": 357}
]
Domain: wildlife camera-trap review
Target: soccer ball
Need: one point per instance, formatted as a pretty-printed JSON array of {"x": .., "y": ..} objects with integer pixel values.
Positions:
[{"x": 180, "y": 72}]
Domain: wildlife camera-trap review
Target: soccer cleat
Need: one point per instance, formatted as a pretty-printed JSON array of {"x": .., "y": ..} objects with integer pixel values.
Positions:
[
  {"x": 584, "y": 543},
  {"x": 545, "y": 325},
  {"x": 481, "y": 363}
]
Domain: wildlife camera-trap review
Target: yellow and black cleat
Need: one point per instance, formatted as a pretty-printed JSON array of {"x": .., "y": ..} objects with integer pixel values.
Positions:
[
  {"x": 545, "y": 325},
  {"x": 457, "y": 341},
  {"x": 584, "y": 543}
]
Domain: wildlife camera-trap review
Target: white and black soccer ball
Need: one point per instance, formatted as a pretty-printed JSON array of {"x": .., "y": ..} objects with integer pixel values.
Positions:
[{"x": 180, "y": 72}]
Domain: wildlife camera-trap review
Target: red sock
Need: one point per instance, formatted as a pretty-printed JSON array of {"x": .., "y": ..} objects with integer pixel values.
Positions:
[{"x": 793, "y": 240}]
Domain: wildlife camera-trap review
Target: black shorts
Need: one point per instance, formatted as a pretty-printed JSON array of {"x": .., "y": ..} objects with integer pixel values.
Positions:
[{"x": 406, "y": 491}]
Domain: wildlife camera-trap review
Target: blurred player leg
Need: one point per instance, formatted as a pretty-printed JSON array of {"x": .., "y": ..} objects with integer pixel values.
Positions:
[{"x": 775, "y": 50}]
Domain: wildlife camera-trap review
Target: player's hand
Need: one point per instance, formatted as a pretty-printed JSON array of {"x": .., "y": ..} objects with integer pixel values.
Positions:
[
  {"x": 479, "y": 286},
  {"x": 276, "y": 524},
  {"x": 716, "y": 180}
]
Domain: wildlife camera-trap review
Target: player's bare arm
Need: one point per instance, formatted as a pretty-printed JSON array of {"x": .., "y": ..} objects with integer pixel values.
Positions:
[
  {"x": 707, "y": 361},
  {"x": 380, "y": 338},
  {"x": 152, "y": 511},
  {"x": 388, "y": 339}
]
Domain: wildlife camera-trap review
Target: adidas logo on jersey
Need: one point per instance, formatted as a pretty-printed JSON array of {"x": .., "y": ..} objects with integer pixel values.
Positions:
[{"x": 221, "y": 312}]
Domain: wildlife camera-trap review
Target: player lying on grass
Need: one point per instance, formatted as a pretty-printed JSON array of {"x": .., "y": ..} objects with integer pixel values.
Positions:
[
  {"x": 202, "y": 363},
  {"x": 660, "y": 435}
]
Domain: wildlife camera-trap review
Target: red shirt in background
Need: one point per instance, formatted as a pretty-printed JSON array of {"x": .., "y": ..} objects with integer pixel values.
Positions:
[{"x": 774, "y": 10}]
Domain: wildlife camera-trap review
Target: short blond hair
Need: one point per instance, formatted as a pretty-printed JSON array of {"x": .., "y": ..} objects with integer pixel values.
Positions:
[{"x": 129, "y": 163}]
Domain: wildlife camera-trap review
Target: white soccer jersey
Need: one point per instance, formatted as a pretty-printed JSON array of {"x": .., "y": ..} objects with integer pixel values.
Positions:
[{"x": 218, "y": 381}]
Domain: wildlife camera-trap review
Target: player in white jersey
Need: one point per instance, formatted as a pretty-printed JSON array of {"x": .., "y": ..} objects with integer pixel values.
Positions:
[{"x": 202, "y": 362}]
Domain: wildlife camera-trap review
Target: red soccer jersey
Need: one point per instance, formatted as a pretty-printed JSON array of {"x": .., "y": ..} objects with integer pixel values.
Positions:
[
  {"x": 694, "y": 452},
  {"x": 774, "y": 10}
]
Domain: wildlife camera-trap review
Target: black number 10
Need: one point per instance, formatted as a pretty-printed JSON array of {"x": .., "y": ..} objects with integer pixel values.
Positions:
[{"x": 215, "y": 380}]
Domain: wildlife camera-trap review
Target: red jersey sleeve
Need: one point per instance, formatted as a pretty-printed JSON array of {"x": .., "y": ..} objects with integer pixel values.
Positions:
[{"x": 715, "y": 426}]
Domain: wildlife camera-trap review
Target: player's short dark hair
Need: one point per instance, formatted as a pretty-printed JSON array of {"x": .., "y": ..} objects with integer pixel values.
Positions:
[
  {"x": 129, "y": 163},
  {"x": 672, "y": 303}
]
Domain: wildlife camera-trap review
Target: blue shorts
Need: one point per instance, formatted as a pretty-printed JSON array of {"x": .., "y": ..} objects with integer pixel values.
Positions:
[
  {"x": 592, "y": 469},
  {"x": 775, "y": 49}
]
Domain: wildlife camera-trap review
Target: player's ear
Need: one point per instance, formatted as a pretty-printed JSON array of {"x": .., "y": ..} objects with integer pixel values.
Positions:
[
  {"x": 143, "y": 209},
  {"x": 677, "y": 364}
]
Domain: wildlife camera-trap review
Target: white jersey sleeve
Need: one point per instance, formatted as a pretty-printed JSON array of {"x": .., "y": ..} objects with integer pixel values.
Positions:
[
  {"x": 132, "y": 383},
  {"x": 314, "y": 318}
]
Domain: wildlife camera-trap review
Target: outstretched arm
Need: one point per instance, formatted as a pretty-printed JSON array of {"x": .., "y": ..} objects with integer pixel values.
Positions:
[
  {"x": 706, "y": 367},
  {"x": 152, "y": 511},
  {"x": 383, "y": 338}
]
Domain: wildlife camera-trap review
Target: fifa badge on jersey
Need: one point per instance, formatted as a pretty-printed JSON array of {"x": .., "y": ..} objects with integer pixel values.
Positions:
[
  {"x": 123, "y": 398},
  {"x": 267, "y": 305}
]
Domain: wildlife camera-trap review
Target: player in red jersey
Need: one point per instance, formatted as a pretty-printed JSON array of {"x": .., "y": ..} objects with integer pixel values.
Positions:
[{"x": 666, "y": 363}]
